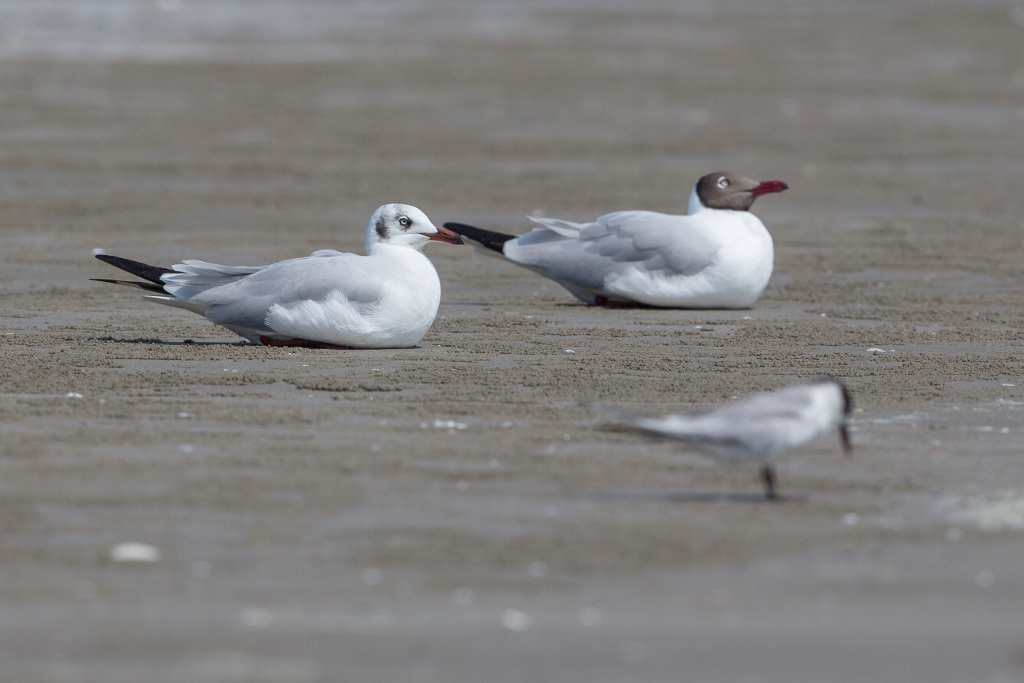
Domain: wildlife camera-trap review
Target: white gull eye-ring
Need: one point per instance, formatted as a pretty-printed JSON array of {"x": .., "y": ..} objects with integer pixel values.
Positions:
[
  {"x": 404, "y": 221},
  {"x": 722, "y": 182}
]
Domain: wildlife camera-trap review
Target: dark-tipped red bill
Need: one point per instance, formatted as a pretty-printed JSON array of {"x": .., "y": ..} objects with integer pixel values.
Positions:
[
  {"x": 446, "y": 235},
  {"x": 768, "y": 187}
]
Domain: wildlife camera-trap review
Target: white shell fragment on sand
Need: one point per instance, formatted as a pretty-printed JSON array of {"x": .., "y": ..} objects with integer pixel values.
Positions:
[
  {"x": 449, "y": 424},
  {"x": 135, "y": 552},
  {"x": 515, "y": 620}
]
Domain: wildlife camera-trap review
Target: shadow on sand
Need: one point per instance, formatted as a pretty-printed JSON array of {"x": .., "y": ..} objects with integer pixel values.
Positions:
[
  {"x": 164, "y": 342},
  {"x": 693, "y": 497}
]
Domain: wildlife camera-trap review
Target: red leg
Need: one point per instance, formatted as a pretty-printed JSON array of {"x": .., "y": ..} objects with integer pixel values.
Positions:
[
  {"x": 601, "y": 300},
  {"x": 300, "y": 343}
]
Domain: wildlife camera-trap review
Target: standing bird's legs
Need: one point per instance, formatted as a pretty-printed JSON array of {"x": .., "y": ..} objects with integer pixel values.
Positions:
[{"x": 768, "y": 477}]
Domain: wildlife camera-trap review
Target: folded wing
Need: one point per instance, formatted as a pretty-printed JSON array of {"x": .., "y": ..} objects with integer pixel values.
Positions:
[
  {"x": 587, "y": 257},
  {"x": 284, "y": 299}
]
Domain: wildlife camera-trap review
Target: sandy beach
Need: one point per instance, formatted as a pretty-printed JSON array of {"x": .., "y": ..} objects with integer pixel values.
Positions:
[{"x": 455, "y": 511}]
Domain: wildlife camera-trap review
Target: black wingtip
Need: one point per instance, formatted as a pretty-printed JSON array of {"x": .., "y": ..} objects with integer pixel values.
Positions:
[
  {"x": 137, "y": 268},
  {"x": 148, "y": 286},
  {"x": 485, "y": 238}
]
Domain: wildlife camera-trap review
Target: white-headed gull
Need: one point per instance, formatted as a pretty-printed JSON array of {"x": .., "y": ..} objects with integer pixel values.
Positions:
[
  {"x": 386, "y": 299},
  {"x": 718, "y": 256},
  {"x": 758, "y": 427}
]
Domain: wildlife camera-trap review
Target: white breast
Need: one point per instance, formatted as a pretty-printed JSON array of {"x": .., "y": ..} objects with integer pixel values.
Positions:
[{"x": 402, "y": 312}]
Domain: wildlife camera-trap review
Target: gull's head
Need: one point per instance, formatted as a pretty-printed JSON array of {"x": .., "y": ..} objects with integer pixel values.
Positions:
[
  {"x": 404, "y": 225},
  {"x": 844, "y": 432},
  {"x": 840, "y": 404},
  {"x": 726, "y": 190}
]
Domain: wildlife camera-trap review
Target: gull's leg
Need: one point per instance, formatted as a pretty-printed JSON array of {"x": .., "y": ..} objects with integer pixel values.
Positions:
[
  {"x": 768, "y": 477},
  {"x": 601, "y": 300},
  {"x": 302, "y": 343}
]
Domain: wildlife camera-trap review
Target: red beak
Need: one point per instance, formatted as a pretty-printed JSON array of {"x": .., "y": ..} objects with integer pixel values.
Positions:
[
  {"x": 768, "y": 187},
  {"x": 446, "y": 235}
]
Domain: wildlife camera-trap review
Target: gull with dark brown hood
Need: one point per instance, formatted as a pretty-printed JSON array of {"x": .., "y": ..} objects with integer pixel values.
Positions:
[{"x": 719, "y": 255}]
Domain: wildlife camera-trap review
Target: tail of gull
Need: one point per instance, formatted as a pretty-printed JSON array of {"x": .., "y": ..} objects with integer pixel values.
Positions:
[
  {"x": 151, "y": 274},
  {"x": 495, "y": 241},
  {"x": 153, "y": 282}
]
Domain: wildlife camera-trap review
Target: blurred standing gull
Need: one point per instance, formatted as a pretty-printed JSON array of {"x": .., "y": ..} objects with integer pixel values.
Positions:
[
  {"x": 757, "y": 428},
  {"x": 330, "y": 299},
  {"x": 718, "y": 256}
]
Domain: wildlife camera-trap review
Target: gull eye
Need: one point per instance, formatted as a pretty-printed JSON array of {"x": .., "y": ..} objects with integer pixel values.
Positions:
[
  {"x": 404, "y": 221},
  {"x": 722, "y": 182}
]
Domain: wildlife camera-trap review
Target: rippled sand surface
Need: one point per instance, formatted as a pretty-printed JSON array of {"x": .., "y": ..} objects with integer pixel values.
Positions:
[{"x": 455, "y": 512}]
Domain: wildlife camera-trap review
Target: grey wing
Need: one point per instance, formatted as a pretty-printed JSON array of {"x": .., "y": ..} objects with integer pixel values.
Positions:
[
  {"x": 240, "y": 297},
  {"x": 754, "y": 428},
  {"x": 587, "y": 253},
  {"x": 683, "y": 427},
  {"x": 556, "y": 251},
  {"x": 767, "y": 422},
  {"x": 674, "y": 245}
]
